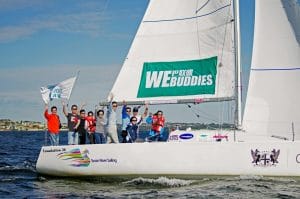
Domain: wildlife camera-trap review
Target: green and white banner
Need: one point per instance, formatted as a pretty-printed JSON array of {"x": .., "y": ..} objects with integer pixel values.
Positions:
[{"x": 180, "y": 78}]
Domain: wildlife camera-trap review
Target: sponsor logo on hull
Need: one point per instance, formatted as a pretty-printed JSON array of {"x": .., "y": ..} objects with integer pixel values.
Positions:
[
  {"x": 76, "y": 157},
  {"x": 186, "y": 136},
  {"x": 298, "y": 158},
  {"x": 81, "y": 159},
  {"x": 265, "y": 158}
]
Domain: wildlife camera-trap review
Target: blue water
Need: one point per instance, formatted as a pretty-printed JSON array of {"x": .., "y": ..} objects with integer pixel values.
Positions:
[{"x": 18, "y": 179}]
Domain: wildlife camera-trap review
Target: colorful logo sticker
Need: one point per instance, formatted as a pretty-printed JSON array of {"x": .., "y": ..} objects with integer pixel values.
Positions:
[
  {"x": 265, "y": 158},
  {"x": 76, "y": 158},
  {"x": 186, "y": 136}
]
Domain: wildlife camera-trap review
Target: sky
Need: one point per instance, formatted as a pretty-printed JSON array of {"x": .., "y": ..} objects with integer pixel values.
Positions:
[{"x": 45, "y": 42}]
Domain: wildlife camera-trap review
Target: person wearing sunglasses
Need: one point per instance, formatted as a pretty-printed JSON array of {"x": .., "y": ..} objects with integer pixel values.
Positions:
[
  {"x": 81, "y": 127},
  {"x": 112, "y": 134},
  {"x": 135, "y": 113},
  {"x": 73, "y": 119},
  {"x": 126, "y": 114},
  {"x": 132, "y": 130},
  {"x": 100, "y": 135}
]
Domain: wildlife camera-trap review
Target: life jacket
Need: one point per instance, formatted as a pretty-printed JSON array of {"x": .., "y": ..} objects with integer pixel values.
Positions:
[
  {"x": 157, "y": 123},
  {"x": 91, "y": 123}
]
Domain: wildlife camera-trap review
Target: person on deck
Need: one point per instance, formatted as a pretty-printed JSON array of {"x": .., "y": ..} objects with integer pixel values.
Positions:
[
  {"x": 149, "y": 118},
  {"x": 100, "y": 135},
  {"x": 126, "y": 112},
  {"x": 53, "y": 124},
  {"x": 132, "y": 130},
  {"x": 72, "y": 118},
  {"x": 91, "y": 121},
  {"x": 81, "y": 127},
  {"x": 135, "y": 113},
  {"x": 158, "y": 122},
  {"x": 112, "y": 134}
]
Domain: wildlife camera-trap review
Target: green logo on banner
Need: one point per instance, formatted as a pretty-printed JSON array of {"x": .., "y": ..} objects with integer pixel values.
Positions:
[{"x": 180, "y": 78}]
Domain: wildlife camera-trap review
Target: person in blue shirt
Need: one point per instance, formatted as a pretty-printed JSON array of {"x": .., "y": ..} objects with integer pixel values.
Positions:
[
  {"x": 132, "y": 130},
  {"x": 126, "y": 114}
]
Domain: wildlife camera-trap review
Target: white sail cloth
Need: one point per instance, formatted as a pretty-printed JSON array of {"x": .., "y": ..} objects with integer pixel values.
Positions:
[
  {"x": 273, "y": 103},
  {"x": 175, "y": 31}
]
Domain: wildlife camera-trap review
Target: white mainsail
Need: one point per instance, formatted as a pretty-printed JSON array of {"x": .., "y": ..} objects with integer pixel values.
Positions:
[
  {"x": 272, "y": 103},
  {"x": 176, "y": 32}
]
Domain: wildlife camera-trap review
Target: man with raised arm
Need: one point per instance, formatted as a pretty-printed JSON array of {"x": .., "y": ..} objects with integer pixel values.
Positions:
[
  {"x": 112, "y": 134},
  {"x": 72, "y": 118},
  {"x": 53, "y": 124}
]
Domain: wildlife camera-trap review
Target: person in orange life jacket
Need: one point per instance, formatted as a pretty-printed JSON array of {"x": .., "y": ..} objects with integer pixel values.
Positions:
[
  {"x": 132, "y": 130},
  {"x": 53, "y": 124},
  {"x": 91, "y": 126},
  {"x": 81, "y": 127},
  {"x": 72, "y": 118},
  {"x": 158, "y": 122}
]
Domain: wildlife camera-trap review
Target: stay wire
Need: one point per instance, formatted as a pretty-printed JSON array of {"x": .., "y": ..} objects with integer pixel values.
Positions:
[{"x": 200, "y": 116}]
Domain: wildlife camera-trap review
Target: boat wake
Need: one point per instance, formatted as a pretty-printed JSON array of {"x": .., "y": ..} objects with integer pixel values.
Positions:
[
  {"x": 161, "y": 181},
  {"x": 26, "y": 167},
  {"x": 264, "y": 178}
]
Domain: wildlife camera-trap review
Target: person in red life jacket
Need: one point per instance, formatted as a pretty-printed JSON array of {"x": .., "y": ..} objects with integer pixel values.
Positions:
[
  {"x": 53, "y": 124},
  {"x": 91, "y": 121},
  {"x": 158, "y": 122}
]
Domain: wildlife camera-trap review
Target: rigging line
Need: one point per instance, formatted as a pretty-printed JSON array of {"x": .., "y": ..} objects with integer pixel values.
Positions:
[
  {"x": 202, "y": 6},
  {"x": 221, "y": 113},
  {"x": 186, "y": 18},
  {"x": 203, "y": 112},
  {"x": 224, "y": 38},
  {"x": 201, "y": 115}
]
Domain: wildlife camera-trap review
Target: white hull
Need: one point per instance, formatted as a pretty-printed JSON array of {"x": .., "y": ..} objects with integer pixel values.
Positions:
[{"x": 173, "y": 158}]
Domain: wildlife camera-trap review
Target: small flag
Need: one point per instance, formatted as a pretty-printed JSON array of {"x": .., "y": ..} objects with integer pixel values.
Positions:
[{"x": 61, "y": 90}]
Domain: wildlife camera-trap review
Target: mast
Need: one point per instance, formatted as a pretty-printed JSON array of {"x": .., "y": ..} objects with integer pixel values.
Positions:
[{"x": 238, "y": 96}]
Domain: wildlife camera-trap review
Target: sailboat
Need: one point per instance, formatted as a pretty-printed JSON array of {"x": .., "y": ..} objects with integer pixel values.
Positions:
[{"x": 189, "y": 52}]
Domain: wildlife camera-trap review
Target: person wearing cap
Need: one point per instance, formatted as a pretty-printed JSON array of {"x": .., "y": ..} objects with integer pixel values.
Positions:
[{"x": 135, "y": 113}]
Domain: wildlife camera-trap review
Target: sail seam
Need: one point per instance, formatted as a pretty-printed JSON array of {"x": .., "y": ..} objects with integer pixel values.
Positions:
[
  {"x": 273, "y": 69},
  {"x": 202, "y": 6},
  {"x": 186, "y": 18}
]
